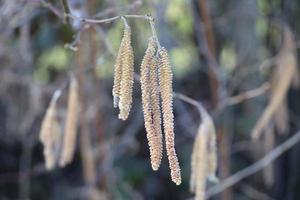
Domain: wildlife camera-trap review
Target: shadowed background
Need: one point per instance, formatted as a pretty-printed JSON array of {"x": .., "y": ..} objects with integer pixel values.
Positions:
[{"x": 218, "y": 50}]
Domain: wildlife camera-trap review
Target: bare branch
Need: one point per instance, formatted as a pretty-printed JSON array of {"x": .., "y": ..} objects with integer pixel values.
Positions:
[
  {"x": 67, "y": 11},
  {"x": 248, "y": 171},
  {"x": 51, "y": 8},
  {"x": 108, "y": 20},
  {"x": 248, "y": 95},
  {"x": 191, "y": 101}
]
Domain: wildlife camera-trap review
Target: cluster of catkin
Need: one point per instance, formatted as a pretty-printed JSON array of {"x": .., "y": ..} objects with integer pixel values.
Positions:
[
  {"x": 50, "y": 133},
  {"x": 157, "y": 97},
  {"x": 123, "y": 76},
  {"x": 204, "y": 157}
]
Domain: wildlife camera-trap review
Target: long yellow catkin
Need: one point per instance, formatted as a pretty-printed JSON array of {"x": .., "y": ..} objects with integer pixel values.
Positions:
[
  {"x": 69, "y": 141},
  {"x": 194, "y": 163},
  {"x": 156, "y": 114},
  {"x": 50, "y": 134},
  {"x": 211, "y": 150},
  {"x": 52, "y": 147},
  {"x": 204, "y": 157},
  {"x": 165, "y": 80},
  {"x": 148, "y": 109},
  {"x": 127, "y": 74},
  {"x": 118, "y": 71},
  {"x": 199, "y": 163},
  {"x": 287, "y": 61},
  {"x": 201, "y": 166}
]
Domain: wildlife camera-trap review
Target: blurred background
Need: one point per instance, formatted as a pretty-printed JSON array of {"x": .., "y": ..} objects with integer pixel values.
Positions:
[{"x": 230, "y": 55}]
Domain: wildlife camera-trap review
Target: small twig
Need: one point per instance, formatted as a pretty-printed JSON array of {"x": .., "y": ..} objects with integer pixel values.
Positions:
[
  {"x": 248, "y": 95},
  {"x": 107, "y": 20},
  {"x": 248, "y": 171},
  {"x": 76, "y": 41},
  {"x": 67, "y": 11},
  {"x": 189, "y": 100},
  {"x": 146, "y": 17},
  {"x": 152, "y": 25},
  {"x": 193, "y": 102},
  {"x": 124, "y": 21},
  {"x": 51, "y": 8}
]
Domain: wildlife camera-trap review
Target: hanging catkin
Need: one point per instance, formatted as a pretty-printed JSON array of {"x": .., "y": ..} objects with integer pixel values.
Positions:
[
  {"x": 199, "y": 163},
  {"x": 165, "y": 80},
  {"x": 118, "y": 71},
  {"x": 50, "y": 134},
  {"x": 211, "y": 150},
  {"x": 126, "y": 84},
  {"x": 69, "y": 140},
  {"x": 156, "y": 114},
  {"x": 287, "y": 61},
  {"x": 150, "y": 104},
  {"x": 204, "y": 157}
]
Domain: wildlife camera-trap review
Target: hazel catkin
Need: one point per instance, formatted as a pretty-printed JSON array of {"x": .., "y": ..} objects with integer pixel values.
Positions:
[
  {"x": 165, "y": 80},
  {"x": 123, "y": 81},
  {"x": 150, "y": 104},
  {"x": 69, "y": 140}
]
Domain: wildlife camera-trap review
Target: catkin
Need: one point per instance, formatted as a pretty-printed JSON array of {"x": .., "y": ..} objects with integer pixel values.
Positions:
[
  {"x": 118, "y": 72},
  {"x": 165, "y": 80},
  {"x": 204, "y": 157},
  {"x": 150, "y": 104},
  {"x": 287, "y": 61},
  {"x": 69, "y": 141},
  {"x": 49, "y": 135},
  {"x": 201, "y": 163},
  {"x": 211, "y": 150},
  {"x": 156, "y": 114},
  {"x": 194, "y": 162},
  {"x": 126, "y": 84},
  {"x": 52, "y": 147}
]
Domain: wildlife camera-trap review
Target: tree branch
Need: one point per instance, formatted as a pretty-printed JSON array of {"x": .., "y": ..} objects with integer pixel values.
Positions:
[
  {"x": 248, "y": 171},
  {"x": 248, "y": 94},
  {"x": 67, "y": 11}
]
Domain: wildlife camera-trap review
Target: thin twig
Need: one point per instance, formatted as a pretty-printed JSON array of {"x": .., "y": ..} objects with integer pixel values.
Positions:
[
  {"x": 67, "y": 11},
  {"x": 51, "y": 8},
  {"x": 248, "y": 171},
  {"x": 152, "y": 25},
  {"x": 107, "y": 20},
  {"x": 191, "y": 101},
  {"x": 248, "y": 95}
]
